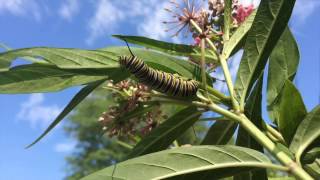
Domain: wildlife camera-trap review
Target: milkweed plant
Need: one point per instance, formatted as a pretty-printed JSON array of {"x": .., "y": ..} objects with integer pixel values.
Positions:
[{"x": 146, "y": 79}]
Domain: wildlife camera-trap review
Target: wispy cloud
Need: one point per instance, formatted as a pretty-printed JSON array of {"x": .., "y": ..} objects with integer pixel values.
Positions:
[
  {"x": 146, "y": 15},
  {"x": 21, "y": 8},
  {"x": 69, "y": 9},
  {"x": 36, "y": 113},
  {"x": 65, "y": 147},
  {"x": 304, "y": 9},
  {"x": 105, "y": 18}
]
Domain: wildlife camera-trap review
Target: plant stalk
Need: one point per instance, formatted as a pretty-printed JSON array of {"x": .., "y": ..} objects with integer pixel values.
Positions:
[
  {"x": 203, "y": 66},
  {"x": 259, "y": 136},
  {"x": 224, "y": 67}
]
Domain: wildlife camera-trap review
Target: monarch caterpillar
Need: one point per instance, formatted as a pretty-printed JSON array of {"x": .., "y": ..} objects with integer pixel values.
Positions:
[{"x": 161, "y": 81}]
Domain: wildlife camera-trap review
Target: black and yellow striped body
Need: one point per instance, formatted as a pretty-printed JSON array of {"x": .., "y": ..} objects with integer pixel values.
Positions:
[{"x": 161, "y": 81}]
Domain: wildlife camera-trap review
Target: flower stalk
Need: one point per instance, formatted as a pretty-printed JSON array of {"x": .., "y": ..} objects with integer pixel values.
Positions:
[{"x": 224, "y": 67}]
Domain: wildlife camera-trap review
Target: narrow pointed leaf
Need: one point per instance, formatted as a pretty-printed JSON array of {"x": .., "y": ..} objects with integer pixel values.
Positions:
[
  {"x": 307, "y": 133},
  {"x": 196, "y": 162},
  {"x": 64, "y": 57},
  {"x": 271, "y": 20},
  {"x": 167, "y": 47},
  {"x": 220, "y": 133},
  {"x": 238, "y": 37},
  {"x": 289, "y": 111},
  {"x": 283, "y": 65},
  {"x": 161, "y": 137},
  {"x": 253, "y": 112},
  {"x": 37, "y": 78},
  {"x": 81, "y": 95}
]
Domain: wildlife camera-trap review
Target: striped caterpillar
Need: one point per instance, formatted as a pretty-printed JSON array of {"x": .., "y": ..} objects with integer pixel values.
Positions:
[{"x": 158, "y": 80}]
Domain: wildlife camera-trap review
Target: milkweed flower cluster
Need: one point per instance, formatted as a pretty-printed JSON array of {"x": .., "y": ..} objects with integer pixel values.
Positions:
[
  {"x": 210, "y": 18},
  {"x": 132, "y": 95}
]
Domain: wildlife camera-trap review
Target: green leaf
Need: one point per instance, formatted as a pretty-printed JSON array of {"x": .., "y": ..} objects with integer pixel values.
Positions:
[
  {"x": 289, "y": 111},
  {"x": 313, "y": 169},
  {"x": 40, "y": 75},
  {"x": 253, "y": 112},
  {"x": 161, "y": 137},
  {"x": 311, "y": 156},
  {"x": 238, "y": 36},
  {"x": 170, "y": 48},
  {"x": 283, "y": 65},
  {"x": 44, "y": 78},
  {"x": 167, "y": 47},
  {"x": 196, "y": 162},
  {"x": 271, "y": 20},
  {"x": 63, "y": 57},
  {"x": 220, "y": 133},
  {"x": 81, "y": 95},
  {"x": 307, "y": 133}
]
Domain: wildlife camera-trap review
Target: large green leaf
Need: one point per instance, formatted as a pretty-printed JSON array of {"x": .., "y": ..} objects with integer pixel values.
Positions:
[
  {"x": 81, "y": 95},
  {"x": 271, "y": 20},
  {"x": 43, "y": 78},
  {"x": 196, "y": 162},
  {"x": 253, "y": 112},
  {"x": 66, "y": 74},
  {"x": 167, "y": 47},
  {"x": 289, "y": 110},
  {"x": 238, "y": 36},
  {"x": 283, "y": 65},
  {"x": 220, "y": 133},
  {"x": 161, "y": 137},
  {"x": 307, "y": 132},
  {"x": 64, "y": 57}
]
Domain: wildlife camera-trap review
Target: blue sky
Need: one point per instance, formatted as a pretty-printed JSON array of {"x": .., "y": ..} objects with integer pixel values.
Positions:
[{"x": 89, "y": 24}]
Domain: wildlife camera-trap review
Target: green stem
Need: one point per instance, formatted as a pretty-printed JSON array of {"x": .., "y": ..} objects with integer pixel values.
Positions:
[
  {"x": 203, "y": 67},
  {"x": 224, "y": 67},
  {"x": 214, "y": 119},
  {"x": 260, "y": 137},
  {"x": 123, "y": 144}
]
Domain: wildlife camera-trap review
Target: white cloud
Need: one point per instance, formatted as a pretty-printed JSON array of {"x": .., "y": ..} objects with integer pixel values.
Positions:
[
  {"x": 20, "y": 8},
  {"x": 69, "y": 9},
  {"x": 36, "y": 113},
  {"x": 105, "y": 19},
  {"x": 146, "y": 15},
  {"x": 152, "y": 25},
  {"x": 304, "y": 9},
  {"x": 65, "y": 147}
]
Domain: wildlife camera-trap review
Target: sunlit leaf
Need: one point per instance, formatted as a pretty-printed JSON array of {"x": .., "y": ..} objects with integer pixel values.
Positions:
[
  {"x": 283, "y": 65},
  {"x": 238, "y": 36},
  {"x": 167, "y": 47},
  {"x": 307, "y": 133},
  {"x": 36, "y": 78},
  {"x": 196, "y": 162},
  {"x": 289, "y": 111},
  {"x": 271, "y": 20}
]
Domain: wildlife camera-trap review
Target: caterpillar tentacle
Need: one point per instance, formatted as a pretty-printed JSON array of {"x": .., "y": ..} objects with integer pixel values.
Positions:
[{"x": 158, "y": 80}]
